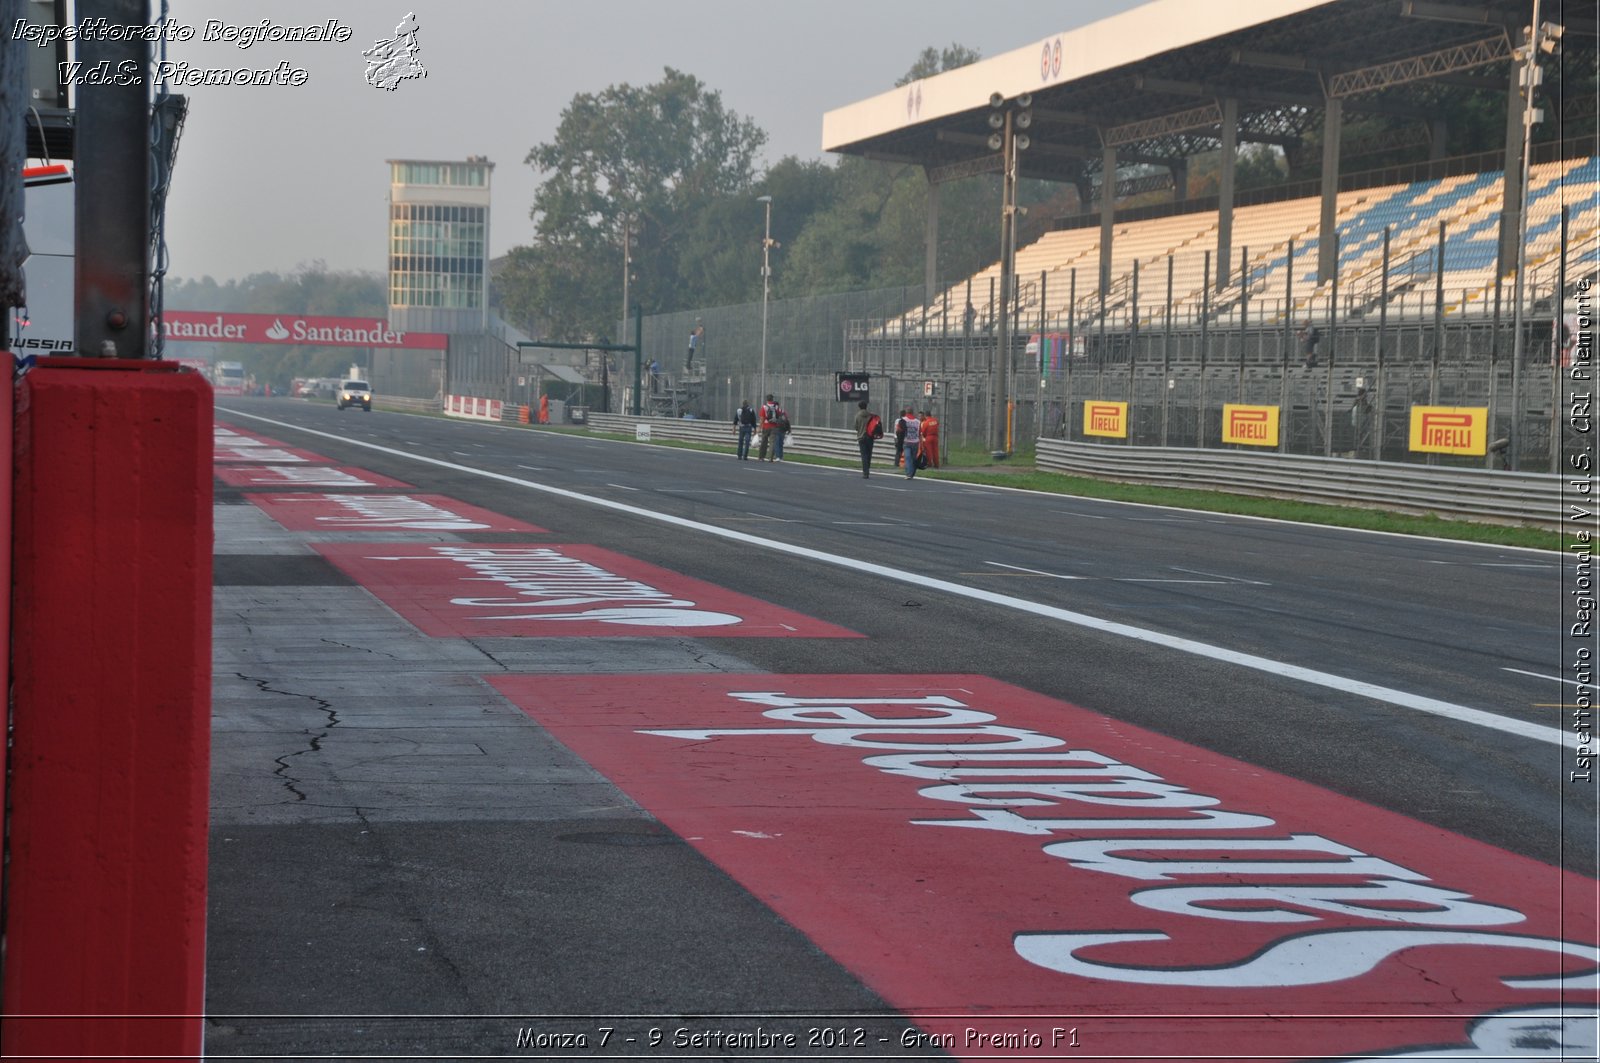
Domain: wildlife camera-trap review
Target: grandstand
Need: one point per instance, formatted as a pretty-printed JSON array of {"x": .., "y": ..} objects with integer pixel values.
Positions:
[
  {"x": 1062, "y": 263},
  {"x": 1411, "y": 270}
]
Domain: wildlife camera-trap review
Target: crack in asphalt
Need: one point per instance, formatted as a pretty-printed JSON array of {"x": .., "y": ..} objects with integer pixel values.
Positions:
[
  {"x": 290, "y": 782},
  {"x": 363, "y": 649}
]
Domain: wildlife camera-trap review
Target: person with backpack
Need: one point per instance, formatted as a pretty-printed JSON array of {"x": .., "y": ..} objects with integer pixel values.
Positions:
[
  {"x": 780, "y": 433},
  {"x": 769, "y": 425},
  {"x": 913, "y": 440},
  {"x": 869, "y": 429},
  {"x": 744, "y": 422},
  {"x": 900, "y": 436}
]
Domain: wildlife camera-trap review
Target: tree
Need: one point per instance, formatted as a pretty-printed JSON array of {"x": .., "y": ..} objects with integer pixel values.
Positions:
[
  {"x": 651, "y": 160},
  {"x": 933, "y": 61},
  {"x": 873, "y": 234}
]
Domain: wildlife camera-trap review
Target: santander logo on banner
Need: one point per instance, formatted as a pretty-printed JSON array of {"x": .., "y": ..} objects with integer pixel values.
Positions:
[{"x": 214, "y": 326}]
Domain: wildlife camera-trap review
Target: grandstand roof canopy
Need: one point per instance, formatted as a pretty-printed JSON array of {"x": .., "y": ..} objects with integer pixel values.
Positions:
[{"x": 1151, "y": 81}]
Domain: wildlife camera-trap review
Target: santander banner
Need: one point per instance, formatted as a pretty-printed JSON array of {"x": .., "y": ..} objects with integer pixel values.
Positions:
[
  {"x": 209, "y": 326},
  {"x": 1025, "y": 878}
]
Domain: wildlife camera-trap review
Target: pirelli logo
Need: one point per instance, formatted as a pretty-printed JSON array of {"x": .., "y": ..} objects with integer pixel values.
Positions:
[
  {"x": 1105, "y": 419},
  {"x": 1450, "y": 429},
  {"x": 1255, "y": 426}
]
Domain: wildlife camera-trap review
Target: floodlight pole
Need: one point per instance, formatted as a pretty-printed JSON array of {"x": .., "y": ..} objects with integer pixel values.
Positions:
[
  {"x": 766, "y": 286},
  {"x": 1007, "y": 118},
  {"x": 627, "y": 268},
  {"x": 1008, "y": 207},
  {"x": 1530, "y": 64},
  {"x": 638, "y": 354}
]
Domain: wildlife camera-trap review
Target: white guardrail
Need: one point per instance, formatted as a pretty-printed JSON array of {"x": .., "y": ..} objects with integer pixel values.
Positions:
[
  {"x": 817, "y": 442},
  {"x": 1448, "y": 491},
  {"x": 1472, "y": 494}
]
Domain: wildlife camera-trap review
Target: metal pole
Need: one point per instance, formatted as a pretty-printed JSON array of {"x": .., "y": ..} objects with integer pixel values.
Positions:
[
  {"x": 1133, "y": 346},
  {"x": 1070, "y": 353},
  {"x": 1438, "y": 320},
  {"x": 627, "y": 263},
  {"x": 638, "y": 359},
  {"x": 1286, "y": 346},
  {"x": 1205, "y": 323},
  {"x": 1333, "y": 338},
  {"x": 1383, "y": 332},
  {"x": 1038, "y": 403},
  {"x": 1530, "y": 64},
  {"x": 112, "y": 205},
  {"x": 1560, "y": 304},
  {"x": 1166, "y": 358},
  {"x": 1244, "y": 313},
  {"x": 1008, "y": 186},
  {"x": 766, "y": 287}
]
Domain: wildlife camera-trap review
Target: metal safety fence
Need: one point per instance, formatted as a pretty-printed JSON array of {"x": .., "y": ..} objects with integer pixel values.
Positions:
[{"x": 1342, "y": 361}]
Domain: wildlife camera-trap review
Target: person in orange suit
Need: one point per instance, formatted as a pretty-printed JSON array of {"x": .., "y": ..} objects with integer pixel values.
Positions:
[
  {"x": 930, "y": 439},
  {"x": 544, "y": 409}
]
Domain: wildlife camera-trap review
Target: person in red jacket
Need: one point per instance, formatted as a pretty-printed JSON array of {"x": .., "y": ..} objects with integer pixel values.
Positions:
[{"x": 769, "y": 425}]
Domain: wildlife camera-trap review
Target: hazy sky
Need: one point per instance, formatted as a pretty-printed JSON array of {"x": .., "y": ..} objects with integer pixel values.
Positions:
[{"x": 271, "y": 177}]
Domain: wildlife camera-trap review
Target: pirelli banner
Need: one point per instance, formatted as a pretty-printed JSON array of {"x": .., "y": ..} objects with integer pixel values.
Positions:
[
  {"x": 1254, "y": 426},
  {"x": 1450, "y": 430},
  {"x": 1108, "y": 419}
]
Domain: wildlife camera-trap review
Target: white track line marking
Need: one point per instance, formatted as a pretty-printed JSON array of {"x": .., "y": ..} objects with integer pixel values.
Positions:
[
  {"x": 1032, "y": 571},
  {"x": 1153, "y": 579},
  {"x": 1219, "y": 580},
  {"x": 1218, "y": 575},
  {"x": 1327, "y": 680},
  {"x": 1553, "y": 678}
]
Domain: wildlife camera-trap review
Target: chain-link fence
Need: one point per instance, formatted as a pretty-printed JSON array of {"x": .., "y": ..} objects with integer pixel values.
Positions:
[
  {"x": 1342, "y": 363},
  {"x": 1354, "y": 400},
  {"x": 802, "y": 335},
  {"x": 1343, "y": 360}
]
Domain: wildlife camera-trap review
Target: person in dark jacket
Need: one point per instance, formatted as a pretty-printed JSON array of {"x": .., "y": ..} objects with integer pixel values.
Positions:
[
  {"x": 744, "y": 422},
  {"x": 869, "y": 429}
]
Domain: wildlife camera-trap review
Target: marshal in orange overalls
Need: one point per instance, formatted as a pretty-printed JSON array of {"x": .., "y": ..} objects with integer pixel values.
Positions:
[{"x": 930, "y": 439}]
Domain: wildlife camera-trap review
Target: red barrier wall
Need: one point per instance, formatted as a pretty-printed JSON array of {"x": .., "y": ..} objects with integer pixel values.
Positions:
[
  {"x": 105, "y": 894},
  {"x": 5, "y": 568}
]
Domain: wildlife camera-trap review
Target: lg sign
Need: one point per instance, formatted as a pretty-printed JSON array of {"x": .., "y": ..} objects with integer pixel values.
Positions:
[{"x": 853, "y": 387}]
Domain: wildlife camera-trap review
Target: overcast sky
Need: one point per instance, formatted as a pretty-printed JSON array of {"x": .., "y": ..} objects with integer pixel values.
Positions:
[{"x": 268, "y": 178}]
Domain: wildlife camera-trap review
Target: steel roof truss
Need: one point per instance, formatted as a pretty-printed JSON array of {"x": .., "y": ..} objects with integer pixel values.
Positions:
[{"x": 1381, "y": 76}]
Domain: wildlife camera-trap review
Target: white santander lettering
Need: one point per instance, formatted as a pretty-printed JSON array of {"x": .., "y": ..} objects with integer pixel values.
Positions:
[
  {"x": 993, "y": 769},
  {"x": 1310, "y": 959},
  {"x": 1129, "y": 793},
  {"x": 1096, "y": 856},
  {"x": 1273, "y": 904}
]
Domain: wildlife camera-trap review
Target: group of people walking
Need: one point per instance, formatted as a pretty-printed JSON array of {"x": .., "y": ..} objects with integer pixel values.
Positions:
[
  {"x": 916, "y": 439},
  {"x": 772, "y": 421},
  {"x": 916, "y": 436}
]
